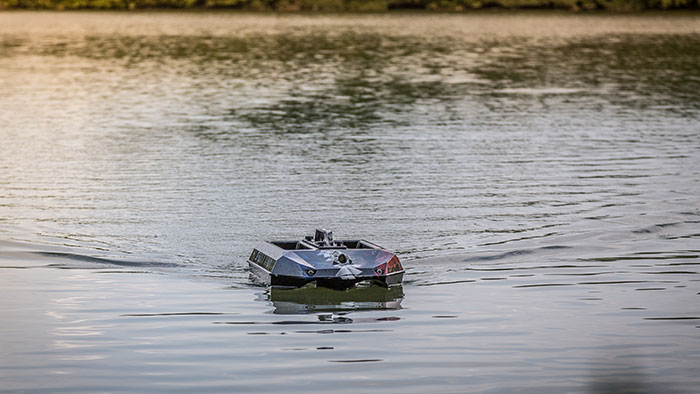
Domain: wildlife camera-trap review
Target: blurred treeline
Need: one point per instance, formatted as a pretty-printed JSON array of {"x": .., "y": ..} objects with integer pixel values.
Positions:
[{"x": 355, "y": 5}]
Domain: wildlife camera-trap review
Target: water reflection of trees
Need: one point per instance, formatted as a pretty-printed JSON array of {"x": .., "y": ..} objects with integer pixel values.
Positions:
[
  {"x": 319, "y": 78},
  {"x": 305, "y": 80},
  {"x": 623, "y": 72}
]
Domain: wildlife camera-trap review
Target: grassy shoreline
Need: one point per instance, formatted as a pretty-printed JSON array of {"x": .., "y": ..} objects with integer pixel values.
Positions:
[{"x": 354, "y": 5}]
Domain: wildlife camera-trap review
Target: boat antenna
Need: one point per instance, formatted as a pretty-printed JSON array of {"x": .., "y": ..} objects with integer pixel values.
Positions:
[{"x": 323, "y": 237}]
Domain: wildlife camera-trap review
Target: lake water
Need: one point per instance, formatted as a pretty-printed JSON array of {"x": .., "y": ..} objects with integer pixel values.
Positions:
[{"x": 537, "y": 173}]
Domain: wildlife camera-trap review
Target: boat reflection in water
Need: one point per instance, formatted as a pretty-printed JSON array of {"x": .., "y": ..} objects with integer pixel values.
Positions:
[{"x": 310, "y": 299}]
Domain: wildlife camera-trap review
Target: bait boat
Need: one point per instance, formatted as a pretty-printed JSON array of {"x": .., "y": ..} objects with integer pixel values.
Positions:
[{"x": 325, "y": 261}]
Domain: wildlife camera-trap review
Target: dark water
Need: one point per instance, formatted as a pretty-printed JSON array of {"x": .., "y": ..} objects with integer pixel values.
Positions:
[{"x": 538, "y": 174}]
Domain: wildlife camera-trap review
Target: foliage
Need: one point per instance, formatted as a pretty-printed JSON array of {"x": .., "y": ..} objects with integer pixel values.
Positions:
[{"x": 354, "y": 5}]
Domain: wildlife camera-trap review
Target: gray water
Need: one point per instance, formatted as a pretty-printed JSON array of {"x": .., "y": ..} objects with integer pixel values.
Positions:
[{"x": 537, "y": 173}]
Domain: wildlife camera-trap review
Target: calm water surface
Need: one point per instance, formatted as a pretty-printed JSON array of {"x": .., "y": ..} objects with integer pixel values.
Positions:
[{"x": 538, "y": 174}]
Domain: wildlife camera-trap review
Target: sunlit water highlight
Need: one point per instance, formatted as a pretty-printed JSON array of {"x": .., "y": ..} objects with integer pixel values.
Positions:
[{"x": 537, "y": 173}]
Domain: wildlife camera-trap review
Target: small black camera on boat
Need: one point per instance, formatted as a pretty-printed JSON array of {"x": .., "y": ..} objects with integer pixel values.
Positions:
[{"x": 325, "y": 261}]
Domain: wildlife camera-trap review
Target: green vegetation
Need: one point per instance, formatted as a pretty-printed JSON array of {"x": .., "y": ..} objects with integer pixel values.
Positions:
[{"x": 354, "y": 5}]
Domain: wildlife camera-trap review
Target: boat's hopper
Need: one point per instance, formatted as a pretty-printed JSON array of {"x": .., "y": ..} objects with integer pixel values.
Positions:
[{"x": 325, "y": 261}]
